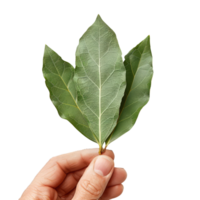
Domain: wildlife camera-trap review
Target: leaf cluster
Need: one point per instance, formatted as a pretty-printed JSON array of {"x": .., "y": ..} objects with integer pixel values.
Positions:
[{"x": 103, "y": 95}]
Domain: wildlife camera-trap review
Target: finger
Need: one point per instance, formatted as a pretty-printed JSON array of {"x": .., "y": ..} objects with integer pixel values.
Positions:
[
  {"x": 120, "y": 175},
  {"x": 113, "y": 192},
  {"x": 54, "y": 172},
  {"x": 95, "y": 179}
]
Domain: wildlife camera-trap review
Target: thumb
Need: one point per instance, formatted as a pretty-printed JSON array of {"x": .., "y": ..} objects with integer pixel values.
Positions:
[{"x": 95, "y": 179}]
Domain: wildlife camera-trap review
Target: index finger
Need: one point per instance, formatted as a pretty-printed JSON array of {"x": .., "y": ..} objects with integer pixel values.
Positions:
[{"x": 55, "y": 171}]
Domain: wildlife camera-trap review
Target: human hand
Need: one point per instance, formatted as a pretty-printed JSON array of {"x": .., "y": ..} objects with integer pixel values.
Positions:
[{"x": 81, "y": 175}]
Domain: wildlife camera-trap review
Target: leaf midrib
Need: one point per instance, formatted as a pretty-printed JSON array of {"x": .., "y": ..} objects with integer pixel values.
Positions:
[{"x": 99, "y": 89}]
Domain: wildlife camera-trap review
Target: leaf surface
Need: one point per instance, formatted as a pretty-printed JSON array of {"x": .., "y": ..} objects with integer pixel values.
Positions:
[
  {"x": 139, "y": 72},
  {"x": 100, "y": 78},
  {"x": 59, "y": 80}
]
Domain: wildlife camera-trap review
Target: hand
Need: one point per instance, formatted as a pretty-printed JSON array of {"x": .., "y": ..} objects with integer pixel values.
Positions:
[{"x": 81, "y": 175}]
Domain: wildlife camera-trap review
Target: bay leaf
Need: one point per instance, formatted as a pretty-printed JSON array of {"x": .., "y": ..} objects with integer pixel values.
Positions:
[
  {"x": 59, "y": 80},
  {"x": 103, "y": 96},
  {"x": 100, "y": 78},
  {"x": 139, "y": 72}
]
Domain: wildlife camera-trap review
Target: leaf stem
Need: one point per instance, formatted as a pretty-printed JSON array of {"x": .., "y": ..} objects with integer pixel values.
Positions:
[{"x": 101, "y": 149}]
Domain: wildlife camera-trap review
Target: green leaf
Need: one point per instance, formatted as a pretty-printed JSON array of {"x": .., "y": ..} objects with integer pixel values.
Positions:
[
  {"x": 59, "y": 80},
  {"x": 139, "y": 72},
  {"x": 100, "y": 78},
  {"x": 92, "y": 96}
]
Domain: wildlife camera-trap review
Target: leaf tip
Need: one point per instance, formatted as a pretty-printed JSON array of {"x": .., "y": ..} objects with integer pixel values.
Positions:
[{"x": 98, "y": 14}]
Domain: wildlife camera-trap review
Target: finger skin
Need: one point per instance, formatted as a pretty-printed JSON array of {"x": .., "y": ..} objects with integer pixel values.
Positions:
[
  {"x": 92, "y": 185},
  {"x": 113, "y": 192},
  {"x": 54, "y": 172}
]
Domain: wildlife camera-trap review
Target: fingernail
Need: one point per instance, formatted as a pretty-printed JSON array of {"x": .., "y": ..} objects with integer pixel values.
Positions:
[{"x": 103, "y": 166}]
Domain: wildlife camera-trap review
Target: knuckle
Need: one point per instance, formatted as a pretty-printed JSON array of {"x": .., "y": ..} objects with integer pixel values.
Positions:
[{"x": 88, "y": 187}]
